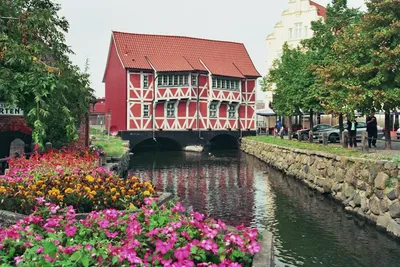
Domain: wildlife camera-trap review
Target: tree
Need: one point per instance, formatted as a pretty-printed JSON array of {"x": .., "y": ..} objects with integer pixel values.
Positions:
[
  {"x": 367, "y": 61},
  {"x": 291, "y": 79},
  {"x": 329, "y": 92},
  {"x": 36, "y": 73}
]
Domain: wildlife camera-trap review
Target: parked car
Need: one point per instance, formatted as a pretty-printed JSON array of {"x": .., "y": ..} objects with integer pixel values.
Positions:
[
  {"x": 334, "y": 133},
  {"x": 304, "y": 133},
  {"x": 398, "y": 133}
]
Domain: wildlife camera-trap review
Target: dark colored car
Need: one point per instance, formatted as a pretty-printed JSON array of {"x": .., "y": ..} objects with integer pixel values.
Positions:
[{"x": 304, "y": 133}]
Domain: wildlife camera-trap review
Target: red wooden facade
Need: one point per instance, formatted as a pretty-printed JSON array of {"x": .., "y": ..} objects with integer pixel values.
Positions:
[{"x": 178, "y": 83}]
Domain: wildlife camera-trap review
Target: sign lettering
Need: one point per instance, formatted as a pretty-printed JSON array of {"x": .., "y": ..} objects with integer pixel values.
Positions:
[{"x": 10, "y": 110}]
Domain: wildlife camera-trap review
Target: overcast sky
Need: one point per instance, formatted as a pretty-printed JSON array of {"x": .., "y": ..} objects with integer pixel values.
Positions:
[{"x": 248, "y": 22}]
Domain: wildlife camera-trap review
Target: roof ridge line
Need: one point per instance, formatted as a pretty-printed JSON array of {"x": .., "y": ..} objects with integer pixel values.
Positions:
[{"x": 178, "y": 36}]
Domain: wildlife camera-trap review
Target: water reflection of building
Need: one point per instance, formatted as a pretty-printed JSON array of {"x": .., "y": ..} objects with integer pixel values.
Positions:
[{"x": 225, "y": 191}]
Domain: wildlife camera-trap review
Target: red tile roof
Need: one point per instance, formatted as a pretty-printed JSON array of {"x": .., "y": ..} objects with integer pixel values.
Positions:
[
  {"x": 174, "y": 53},
  {"x": 321, "y": 10}
]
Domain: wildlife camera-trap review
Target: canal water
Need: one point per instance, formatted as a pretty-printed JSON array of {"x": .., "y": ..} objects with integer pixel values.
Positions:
[{"x": 309, "y": 229}]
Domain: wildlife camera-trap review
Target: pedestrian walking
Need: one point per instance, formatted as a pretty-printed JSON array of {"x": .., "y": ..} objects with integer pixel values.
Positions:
[
  {"x": 278, "y": 128},
  {"x": 372, "y": 130},
  {"x": 352, "y": 132}
]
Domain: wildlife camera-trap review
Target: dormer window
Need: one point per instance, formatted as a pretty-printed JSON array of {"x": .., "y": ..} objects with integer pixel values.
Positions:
[
  {"x": 227, "y": 83},
  {"x": 175, "y": 80}
]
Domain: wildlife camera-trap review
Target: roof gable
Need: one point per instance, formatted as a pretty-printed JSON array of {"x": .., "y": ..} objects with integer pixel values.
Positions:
[
  {"x": 321, "y": 10},
  {"x": 173, "y": 53}
]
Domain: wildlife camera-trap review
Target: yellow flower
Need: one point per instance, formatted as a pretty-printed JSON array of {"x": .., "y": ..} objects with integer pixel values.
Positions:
[
  {"x": 131, "y": 206},
  {"x": 113, "y": 190},
  {"x": 114, "y": 198},
  {"x": 146, "y": 193},
  {"x": 90, "y": 179},
  {"x": 93, "y": 193},
  {"x": 68, "y": 191},
  {"x": 2, "y": 190},
  {"x": 60, "y": 197}
]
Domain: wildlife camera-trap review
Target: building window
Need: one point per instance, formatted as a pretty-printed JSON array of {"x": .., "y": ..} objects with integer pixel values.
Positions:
[
  {"x": 230, "y": 84},
  {"x": 290, "y": 34},
  {"x": 171, "y": 109},
  {"x": 145, "y": 81},
  {"x": 213, "y": 110},
  {"x": 173, "y": 80},
  {"x": 297, "y": 30},
  {"x": 146, "y": 111},
  {"x": 214, "y": 83},
  {"x": 194, "y": 80},
  {"x": 231, "y": 111}
]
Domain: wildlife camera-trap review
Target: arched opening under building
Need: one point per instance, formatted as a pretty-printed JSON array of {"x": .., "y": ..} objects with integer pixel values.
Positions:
[
  {"x": 157, "y": 144},
  {"x": 224, "y": 141}
]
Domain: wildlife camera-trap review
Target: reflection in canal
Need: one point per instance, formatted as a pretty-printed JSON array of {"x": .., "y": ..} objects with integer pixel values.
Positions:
[{"x": 309, "y": 230}]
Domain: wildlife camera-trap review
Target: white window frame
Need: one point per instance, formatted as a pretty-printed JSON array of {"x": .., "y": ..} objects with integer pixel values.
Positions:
[
  {"x": 168, "y": 108},
  {"x": 148, "y": 111},
  {"x": 213, "y": 113},
  {"x": 194, "y": 80},
  {"x": 145, "y": 79},
  {"x": 297, "y": 30},
  {"x": 232, "y": 110}
]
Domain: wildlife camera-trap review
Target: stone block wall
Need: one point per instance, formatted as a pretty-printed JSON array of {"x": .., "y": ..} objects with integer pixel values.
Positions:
[{"x": 367, "y": 188}]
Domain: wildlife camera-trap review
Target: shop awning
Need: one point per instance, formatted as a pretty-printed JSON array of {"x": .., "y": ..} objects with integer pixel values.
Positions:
[{"x": 266, "y": 112}]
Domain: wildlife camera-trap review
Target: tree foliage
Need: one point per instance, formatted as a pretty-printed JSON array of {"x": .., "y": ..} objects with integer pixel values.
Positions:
[
  {"x": 290, "y": 79},
  {"x": 364, "y": 66},
  {"x": 332, "y": 95},
  {"x": 36, "y": 73}
]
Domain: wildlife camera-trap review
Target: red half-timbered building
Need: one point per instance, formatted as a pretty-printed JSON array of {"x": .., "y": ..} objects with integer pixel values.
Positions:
[{"x": 170, "y": 83}]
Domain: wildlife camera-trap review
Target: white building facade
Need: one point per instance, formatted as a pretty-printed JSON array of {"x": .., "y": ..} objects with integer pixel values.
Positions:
[{"x": 294, "y": 27}]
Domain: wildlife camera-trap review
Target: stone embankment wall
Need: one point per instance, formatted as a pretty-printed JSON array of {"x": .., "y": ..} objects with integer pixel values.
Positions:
[
  {"x": 367, "y": 188},
  {"x": 119, "y": 165}
]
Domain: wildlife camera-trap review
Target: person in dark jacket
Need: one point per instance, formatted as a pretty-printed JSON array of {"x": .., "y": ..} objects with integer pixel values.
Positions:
[
  {"x": 352, "y": 132},
  {"x": 372, "y": 129}
]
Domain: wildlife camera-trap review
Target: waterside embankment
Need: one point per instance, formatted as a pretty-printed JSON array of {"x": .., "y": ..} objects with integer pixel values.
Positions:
[{"x": 367, "y": 188}]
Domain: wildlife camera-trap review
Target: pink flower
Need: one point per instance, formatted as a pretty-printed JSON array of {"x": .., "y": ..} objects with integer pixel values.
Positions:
[
  {"x": 254, "y": 247},
  {"x": 178, "y": 208},
  {"x": 182, "y": 253},
  {"x": 70, "y": 231},
  {"x": 39, "y": 250},
  {"x": 111, "y": 235},
  {"x": 40, "y": 200},
  {"x": 54, "y": 209},
  {"x": 88, "y": 247},
  {"x": 69, "y": 250},
  {"x": 17, "y": 260},
  {"x": 197, "y": 216},
  {"x": 209, "y": 245},
  {"x": 163, "y": 247},
  {"x": 48, "y": 258},
  {"x": 38, "y": 237},
  {"x": 104, "y": 224}
]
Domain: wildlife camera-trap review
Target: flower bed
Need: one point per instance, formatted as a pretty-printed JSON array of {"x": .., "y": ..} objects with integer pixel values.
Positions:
[
  {"x": 68, "y": 178},
  {"x": 153, "y": 236}
]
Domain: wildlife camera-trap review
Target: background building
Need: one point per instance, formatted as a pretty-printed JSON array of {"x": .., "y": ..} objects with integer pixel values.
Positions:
[{"x": 294, "y": 27}]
